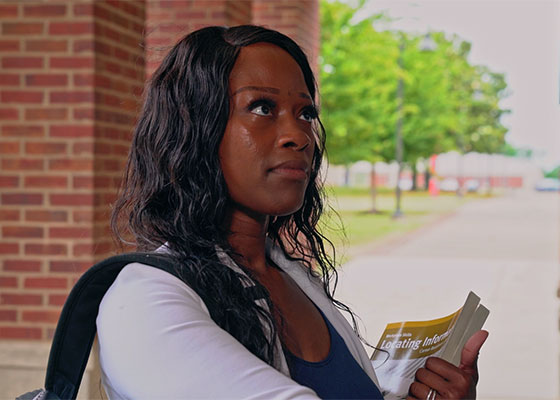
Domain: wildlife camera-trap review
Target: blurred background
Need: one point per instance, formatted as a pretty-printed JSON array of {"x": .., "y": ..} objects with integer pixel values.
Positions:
[{"x": 442, "y": 119}]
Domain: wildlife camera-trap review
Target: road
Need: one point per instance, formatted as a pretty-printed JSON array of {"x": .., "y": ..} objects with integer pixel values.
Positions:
[{"x": 506, "y": 249}]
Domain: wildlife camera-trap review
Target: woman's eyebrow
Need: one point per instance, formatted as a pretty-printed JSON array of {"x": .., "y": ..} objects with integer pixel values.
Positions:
[
  {"x": 267, "y": 90},
  {"x": 257, "y": 88}
]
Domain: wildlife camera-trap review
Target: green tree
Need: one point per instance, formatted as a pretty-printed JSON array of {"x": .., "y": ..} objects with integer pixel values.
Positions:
[
  {"x": 447, "y": 102},
  {"x": 427, "y": 110},
  {"x": 358, "y": 79},
  {"x": 512, "y": 151},
  {"x": 553, "y": 173},
  {"x": 485, "y": 132}
]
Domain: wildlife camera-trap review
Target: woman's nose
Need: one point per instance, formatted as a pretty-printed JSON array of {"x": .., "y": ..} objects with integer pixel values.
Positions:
[{"x": 293, "y": 134}]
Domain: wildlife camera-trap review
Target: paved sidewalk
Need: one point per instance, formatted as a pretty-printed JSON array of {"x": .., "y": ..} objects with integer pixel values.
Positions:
[{"x": 506, "y": 249}]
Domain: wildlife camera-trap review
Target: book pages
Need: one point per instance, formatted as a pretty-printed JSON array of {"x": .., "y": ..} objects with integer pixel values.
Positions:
[{"x": 404, "y": 346}]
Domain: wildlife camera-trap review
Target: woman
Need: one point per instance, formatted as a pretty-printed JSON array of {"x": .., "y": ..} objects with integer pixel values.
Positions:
[{"x": 223, "y": 177}]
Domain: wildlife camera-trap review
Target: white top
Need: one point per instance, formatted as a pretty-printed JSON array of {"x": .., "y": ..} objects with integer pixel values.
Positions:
[{"x": 158, "y": 341}]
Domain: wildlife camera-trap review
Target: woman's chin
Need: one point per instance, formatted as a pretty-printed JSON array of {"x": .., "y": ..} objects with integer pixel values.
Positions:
[{"x": 284, "y": 209}]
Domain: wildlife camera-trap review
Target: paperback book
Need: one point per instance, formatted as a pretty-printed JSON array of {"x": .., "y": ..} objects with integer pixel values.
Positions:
[{"x": 405, "y": 346}]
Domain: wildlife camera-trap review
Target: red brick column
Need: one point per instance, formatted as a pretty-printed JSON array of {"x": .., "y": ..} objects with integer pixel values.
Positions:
[
  {"x": 119, "y": 78},
  {"x": 299, "y": 19},
  {"x": 169, "y": 20},
  {"x": 70, "y": 75}
]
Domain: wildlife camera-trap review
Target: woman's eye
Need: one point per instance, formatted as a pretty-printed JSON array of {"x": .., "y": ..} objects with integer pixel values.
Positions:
[
  {"x": 264, "y": 107},
  {"x": 261, "y": 110},
  {"x": 308, "y": 115}
]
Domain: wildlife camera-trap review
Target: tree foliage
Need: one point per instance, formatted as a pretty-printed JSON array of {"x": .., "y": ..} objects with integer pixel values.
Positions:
[
  {"x": 553, "y": 173},
  {"x": 358, "y": 79},
  {"x": 448, "y": 104}
]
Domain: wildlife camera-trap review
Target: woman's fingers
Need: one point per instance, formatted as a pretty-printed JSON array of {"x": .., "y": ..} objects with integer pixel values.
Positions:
[
  {"x": 471, "y": 349},
  {"x": 444, "y": 369},
  {"x": 418, "y": 391},
  {"x": 430, "y": 378},
  {"x": 447, "y": 380}
]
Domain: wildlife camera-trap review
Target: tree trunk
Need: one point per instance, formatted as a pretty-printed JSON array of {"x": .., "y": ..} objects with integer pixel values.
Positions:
[
  {"x": 373, "y": 187},
  {"x": 414, "y": 176},
  {"x": 460, "y": 188},
  {"x": 346, "y": 175},
  {"x": 427, "y": 177},
  {"x": 489, "y": 173}
]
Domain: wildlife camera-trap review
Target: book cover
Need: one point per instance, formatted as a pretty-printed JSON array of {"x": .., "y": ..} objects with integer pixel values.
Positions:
[{"x": 405, "y": 346}]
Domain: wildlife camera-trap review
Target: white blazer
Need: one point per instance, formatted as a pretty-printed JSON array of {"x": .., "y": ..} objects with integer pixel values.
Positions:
[{"x": 158, "y": 341}]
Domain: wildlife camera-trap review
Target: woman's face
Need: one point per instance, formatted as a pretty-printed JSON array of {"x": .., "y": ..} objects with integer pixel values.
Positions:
[{"x": 268, "y": 144}]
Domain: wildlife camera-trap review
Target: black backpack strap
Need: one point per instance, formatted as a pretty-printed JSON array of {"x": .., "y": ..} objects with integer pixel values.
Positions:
[{"x": 76, "y": 327}]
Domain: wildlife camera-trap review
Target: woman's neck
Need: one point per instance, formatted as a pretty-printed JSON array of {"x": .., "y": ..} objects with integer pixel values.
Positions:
[{"x": 247, "y": 238}]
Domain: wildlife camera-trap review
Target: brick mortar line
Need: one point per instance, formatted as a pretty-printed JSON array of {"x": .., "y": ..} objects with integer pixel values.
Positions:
[
  {"x": 123, "y": 13},
  {"x": 109, "y": 41},
  {"x": 105, "y": 74}
]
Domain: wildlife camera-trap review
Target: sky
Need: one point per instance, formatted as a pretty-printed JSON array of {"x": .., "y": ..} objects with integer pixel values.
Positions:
[{"x": 520, "y": 38}]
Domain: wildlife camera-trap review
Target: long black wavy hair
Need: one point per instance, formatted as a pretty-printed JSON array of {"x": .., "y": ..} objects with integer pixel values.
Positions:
[{"x": 174, "y": 191}]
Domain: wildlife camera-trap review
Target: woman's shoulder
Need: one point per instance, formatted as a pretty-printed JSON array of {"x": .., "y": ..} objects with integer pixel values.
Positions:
[
  {"x": 140, "y": 296},
  {"x": 141, "y": 312},
  {"x": 157, "y": 340},
  {"x": 140, "y": 283}
]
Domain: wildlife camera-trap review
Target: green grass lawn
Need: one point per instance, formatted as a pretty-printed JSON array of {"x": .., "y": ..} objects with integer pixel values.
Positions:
[{"x": 362, "y": 226}]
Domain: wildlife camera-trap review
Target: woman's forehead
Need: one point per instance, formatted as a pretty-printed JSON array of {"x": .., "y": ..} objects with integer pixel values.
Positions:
[{"x": 269, "y": 66}]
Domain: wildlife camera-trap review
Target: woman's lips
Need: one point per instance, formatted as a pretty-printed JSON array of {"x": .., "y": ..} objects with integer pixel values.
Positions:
[{"x": 294, "y": 169}]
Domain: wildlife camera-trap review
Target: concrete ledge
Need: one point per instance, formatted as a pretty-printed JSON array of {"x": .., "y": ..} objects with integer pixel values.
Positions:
[{"x": 23, "y": 366}]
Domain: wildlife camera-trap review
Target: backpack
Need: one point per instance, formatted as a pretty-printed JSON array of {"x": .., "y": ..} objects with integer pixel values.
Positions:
[{"x": 76, "y": 326}]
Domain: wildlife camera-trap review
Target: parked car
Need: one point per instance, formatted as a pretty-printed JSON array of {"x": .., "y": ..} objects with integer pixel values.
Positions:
[
  {"x": 449, "y": 185},
  {"x": 548, "y": 185}
]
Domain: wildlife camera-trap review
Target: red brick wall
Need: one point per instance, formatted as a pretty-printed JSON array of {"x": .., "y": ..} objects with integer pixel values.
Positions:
[
  {"x": 167, "y": 21},
  {"x": 71, "y": 76},
  {"x": 118, "y": 83},
  {"x": 299, "y": 19},
  {"x": 70, "y": 73}
]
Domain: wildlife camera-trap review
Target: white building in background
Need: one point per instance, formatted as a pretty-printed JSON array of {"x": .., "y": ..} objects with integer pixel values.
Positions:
[
  {"x": 496, "y": 170},
  {"x": 500, "y": 170}
]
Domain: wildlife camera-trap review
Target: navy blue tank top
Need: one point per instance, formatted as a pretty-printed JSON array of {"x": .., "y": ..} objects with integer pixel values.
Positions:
[{"x": 338, "y": 376}]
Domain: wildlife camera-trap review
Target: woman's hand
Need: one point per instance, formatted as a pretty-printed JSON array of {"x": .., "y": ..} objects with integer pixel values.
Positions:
[{"x": 447, "y": 380}]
